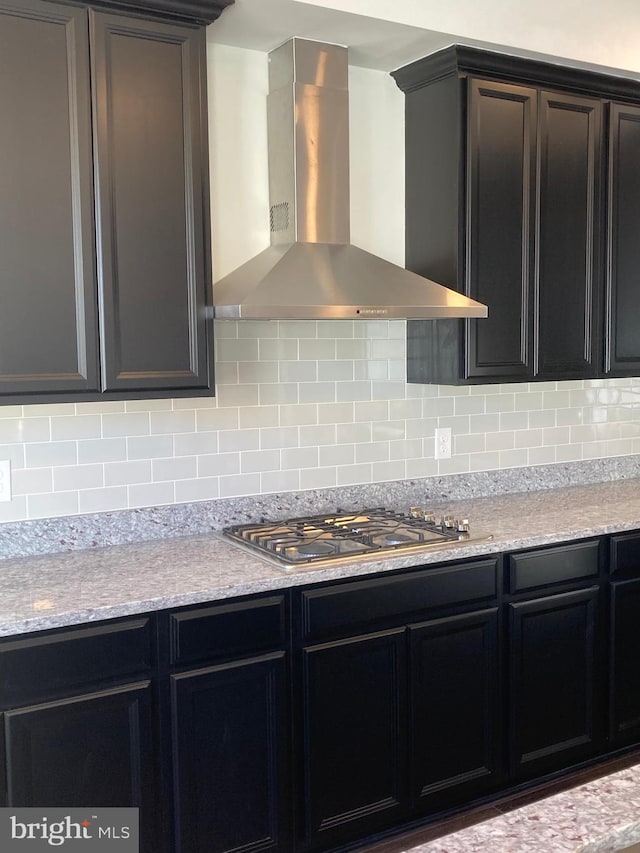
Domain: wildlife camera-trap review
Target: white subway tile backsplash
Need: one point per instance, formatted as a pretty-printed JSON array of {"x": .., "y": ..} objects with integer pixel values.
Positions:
[
  {"x": 317, "y": 392},
  {"x": 219, "y": 463},
  {"x": 359, "y": 433},
  {"x": 103, "y": 500},
  {"x": 53, "y": 454},
  {"x": 75, "y": 427},
  {"x": 127, "y": 473},
  {"x": 349, "y": 475},
  {"x": 279, "y": 481},
  {"x": 152, "y": 446},
  {"x": 241, "y": 439},
  {"x": 260, "y": 460},
  {"x": 53, "y": 504},
  {"x": 239, "y": 484},
  {"x": 24, "y": 430},
  {"x": 301, "y": 405},
  {"x": 173, "y": 422},
  {"x": 153, "y": 494},
  {"x": 29, "y": 481},
  {"x": 76, "y": 477},
  {"x": 123, "y": 425},
  {"x": 230, "y": 396},
  {"x": 202, "y": 489}
]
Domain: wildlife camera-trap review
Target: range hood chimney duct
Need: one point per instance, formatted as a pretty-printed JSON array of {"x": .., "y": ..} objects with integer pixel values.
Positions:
[{"x": 310, "y": 270}]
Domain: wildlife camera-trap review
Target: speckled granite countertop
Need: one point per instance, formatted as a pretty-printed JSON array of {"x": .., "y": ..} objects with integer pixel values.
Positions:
[
  {"x": 602, "y": 816},
  {"x": 54, "y": 590}
]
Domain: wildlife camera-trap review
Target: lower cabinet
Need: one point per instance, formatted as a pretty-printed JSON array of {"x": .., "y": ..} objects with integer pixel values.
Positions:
[
  {"x": 71, "y": 741},
  {"x": 456, "y": 717},
  {"x": 226, "y": 715},
  {"x": 624, "y": 672},
  {"x": 555, "y": 681},
  {"x": 404, "y": 720},
  {"x": 229, "y": 756},
  {"x": 354, "y": 736}
]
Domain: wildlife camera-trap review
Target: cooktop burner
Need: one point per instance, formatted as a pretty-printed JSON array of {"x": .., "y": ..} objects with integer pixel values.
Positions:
[{"x": 321, "y": 538}]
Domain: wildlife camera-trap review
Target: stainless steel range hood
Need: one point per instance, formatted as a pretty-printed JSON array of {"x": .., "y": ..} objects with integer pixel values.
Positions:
[{"x": 311, "y": 271}]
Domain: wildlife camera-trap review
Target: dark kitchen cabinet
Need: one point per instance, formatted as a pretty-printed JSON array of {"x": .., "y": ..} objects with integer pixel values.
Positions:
[
  {"x": 556, "y": 658},
  {"x": 456, "y": 709},
  {"x": 104, "y": 210},
  {"x": 402, "y": 720},
  {"x": 229, "y": 725},
  {"x": 504, "y": 202},
  {"x": 48, "y": 316},
  {"x": 624, "y": 674},
  {"x": 622, "y": 337},
  {"x": 78, "y": 721}
]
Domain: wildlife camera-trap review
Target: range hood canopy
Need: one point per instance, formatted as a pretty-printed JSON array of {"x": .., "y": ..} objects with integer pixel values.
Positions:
[{"x": 311, "y": 271}]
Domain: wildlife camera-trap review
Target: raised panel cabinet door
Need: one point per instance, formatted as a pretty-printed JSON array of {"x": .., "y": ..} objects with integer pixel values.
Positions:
[
  {"x": 230, "y": 757},
  {"x": 622, "y": 336},
  {"x": 152, "y": 196},
  {"x": 501, "y": 161},
  {"x": 48, "y": 310},
  {"x": 568, "y": 277},
  {"x": 624, "y": 685},
  {"x": 455, "y": 708},
  {"x": 354, "y": 737},
  {"x": 86, "y": 751},
  {"x": 555, "y": 682}
]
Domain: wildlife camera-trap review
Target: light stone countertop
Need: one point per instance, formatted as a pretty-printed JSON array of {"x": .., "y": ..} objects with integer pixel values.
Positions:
[
  {"x": 602, "y": 816},
  {"x": 62, "y": 589}
]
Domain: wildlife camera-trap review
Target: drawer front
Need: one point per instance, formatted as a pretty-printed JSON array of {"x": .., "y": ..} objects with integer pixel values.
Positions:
[
  {"x": 41, "y": 666},
  {"x": 330, "y": 611},
  {"x": 625, "y": 554},
  {"x": 565, "y": 564},
  {"x": 227, "y": 630}
]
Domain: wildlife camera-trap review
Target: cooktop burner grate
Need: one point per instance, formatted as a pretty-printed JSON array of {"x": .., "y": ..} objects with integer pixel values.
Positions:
[{"x": 326, "y": 537}]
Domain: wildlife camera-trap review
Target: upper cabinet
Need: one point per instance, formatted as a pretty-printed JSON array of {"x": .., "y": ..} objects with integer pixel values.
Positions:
[
  {"x": 509, "y": 199},
  {"x": 104, "y": 221}
]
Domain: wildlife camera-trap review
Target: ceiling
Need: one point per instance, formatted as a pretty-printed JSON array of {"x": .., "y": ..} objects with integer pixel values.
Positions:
[{"x": 385, "y": 35}]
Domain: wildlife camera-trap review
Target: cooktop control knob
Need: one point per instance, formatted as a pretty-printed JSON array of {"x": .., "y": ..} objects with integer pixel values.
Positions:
[
  {"x": 417, "y": 512},
  {"x": 463, "y": 525},
  {"x": 449, "y": 522},
  {"x": 429, "y": 517}
]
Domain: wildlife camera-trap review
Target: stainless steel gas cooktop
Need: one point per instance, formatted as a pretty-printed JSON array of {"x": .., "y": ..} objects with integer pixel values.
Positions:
[{"x": 320, "y": 538}]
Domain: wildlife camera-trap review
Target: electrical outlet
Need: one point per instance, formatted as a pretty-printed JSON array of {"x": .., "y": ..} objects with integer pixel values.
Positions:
[
  {"x": 5, "y": 479},
  {"x": 443, "y": 443}
]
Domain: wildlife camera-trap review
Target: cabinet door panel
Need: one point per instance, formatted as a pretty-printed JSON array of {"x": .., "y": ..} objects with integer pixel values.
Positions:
[
  {"x": 151, "y": 180},
  {"x": 230, "y": 757},
  {"x": 568, "y": 237},
  {"x": 90, "y": 750},
  {"x": 499, "y": 245},
  {"x": 622, "y": 340},
  {"x": 48, "y": 312},
  {"x": 354, "y": 749},
  {"x": 455, "y": 708},
  {"x": 624, "y": 699},
  {"x": 554, "y": 681}
]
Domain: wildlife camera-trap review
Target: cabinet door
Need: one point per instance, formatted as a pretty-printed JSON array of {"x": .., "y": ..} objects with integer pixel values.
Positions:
[
  {"x": 151, "y": 178},
  {"x": 48, "y": 312},
  {"x": 624, "y": 698},
  {"x": 568, "y": 277},
  {"x": 89, "y": 750},
  {"x": 455, "y": 708},
  {"x": 622, "y": 338},
  {"x": 555, "y": 681},
  {"x": 501, "y": 145},
  {"x": 354, "y": 730},
  {"x": 230, "y": 757}
]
